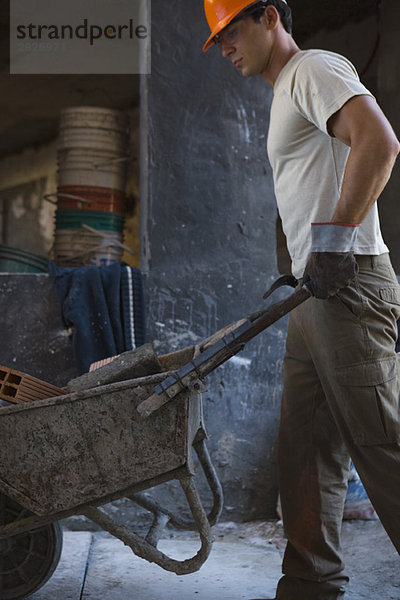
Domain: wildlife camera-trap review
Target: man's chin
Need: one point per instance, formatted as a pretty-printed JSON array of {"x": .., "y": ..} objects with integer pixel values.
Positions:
[
  {"x": 246, "y": 73},
  {"x": 243, "y": 71}
]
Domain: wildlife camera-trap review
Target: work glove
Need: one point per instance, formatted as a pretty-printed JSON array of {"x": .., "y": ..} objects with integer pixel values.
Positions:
[{"x": 331, "y": 265}]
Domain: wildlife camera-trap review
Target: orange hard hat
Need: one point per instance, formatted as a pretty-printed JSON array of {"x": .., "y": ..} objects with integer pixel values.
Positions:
[{"x": 219, "y": 13}]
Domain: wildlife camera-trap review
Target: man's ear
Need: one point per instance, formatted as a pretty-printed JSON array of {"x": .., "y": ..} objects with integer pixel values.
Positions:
[{"x": 271, "y": 17}]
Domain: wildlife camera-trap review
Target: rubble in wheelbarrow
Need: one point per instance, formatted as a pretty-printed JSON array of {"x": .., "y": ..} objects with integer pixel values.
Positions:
[
  {"x": 17, "y": 387},
  {"x": 132, "y": 364}
]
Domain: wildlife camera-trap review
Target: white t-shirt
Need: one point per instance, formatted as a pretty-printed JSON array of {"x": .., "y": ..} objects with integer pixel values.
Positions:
[{"x": 308, "y": 164}]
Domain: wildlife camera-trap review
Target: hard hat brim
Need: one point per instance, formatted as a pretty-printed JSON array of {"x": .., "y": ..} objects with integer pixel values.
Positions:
[
  {"x": 210, "y": 42},
  {"x": 221, "y": 25},
  {"x": 225, "y": 22}
]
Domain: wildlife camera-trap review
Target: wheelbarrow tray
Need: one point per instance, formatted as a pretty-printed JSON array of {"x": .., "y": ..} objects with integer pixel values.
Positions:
[{"x": 63, "y": 452}]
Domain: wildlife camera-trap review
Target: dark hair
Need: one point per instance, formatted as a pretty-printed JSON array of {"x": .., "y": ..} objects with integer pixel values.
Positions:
[{"x": 257, "y": 9}]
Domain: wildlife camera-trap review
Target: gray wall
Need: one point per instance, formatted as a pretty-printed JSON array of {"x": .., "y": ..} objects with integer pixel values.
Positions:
[
  {"x": 389, "y": 98},
  {"x": 33, "y": 337},
  {"x": 377, "y": 61},
  {"x": 209, "y": 232}
]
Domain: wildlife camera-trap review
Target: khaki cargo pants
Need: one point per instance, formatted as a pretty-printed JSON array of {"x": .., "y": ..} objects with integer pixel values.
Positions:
[{"x": 341, "y": 398}]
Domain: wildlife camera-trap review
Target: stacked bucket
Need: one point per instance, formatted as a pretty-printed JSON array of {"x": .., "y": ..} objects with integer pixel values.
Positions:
[
  {"x": 14, "y": 260},
  {"x": 92, "y": 159}
]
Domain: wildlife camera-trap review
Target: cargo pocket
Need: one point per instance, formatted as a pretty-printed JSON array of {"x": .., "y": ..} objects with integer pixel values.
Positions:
[
  {"x": 371, "y": 403},
  {"x": 391, "y": 295}
]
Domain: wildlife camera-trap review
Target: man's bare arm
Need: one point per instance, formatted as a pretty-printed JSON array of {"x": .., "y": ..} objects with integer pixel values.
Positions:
[{"x": 362, "y": 125}]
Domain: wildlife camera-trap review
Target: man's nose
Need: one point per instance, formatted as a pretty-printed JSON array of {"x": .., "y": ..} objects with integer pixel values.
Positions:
[{"x": 226, "y": 49}]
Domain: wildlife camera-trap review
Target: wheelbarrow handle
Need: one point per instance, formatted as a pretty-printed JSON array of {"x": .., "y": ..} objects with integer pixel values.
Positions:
[{"x": 190, "y": 375}]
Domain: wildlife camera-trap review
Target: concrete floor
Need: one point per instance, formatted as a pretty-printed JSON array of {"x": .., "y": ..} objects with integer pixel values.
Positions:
[{"x": 245, "y": 563}]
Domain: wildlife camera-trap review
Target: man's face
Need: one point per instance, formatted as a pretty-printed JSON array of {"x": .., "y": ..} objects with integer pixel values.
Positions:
[{"x": 247, "y": 44}]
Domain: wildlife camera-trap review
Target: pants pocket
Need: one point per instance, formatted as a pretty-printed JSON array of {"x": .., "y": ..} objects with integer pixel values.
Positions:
[
  {"x": 370, "y": 395},
  {"x": 391, "y": 295}
]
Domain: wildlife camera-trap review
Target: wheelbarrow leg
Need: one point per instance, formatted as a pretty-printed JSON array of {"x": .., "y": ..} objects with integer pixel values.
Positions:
[
  {"x": 163, "y": 515},
  {"x": 157, "y": 527},
  {"x": 212, "y": 478},
  {"x": 144, "y": 549}
]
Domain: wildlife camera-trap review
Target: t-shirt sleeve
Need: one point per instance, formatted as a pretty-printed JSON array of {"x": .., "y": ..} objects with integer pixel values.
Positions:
[{"x": 322, "y": 85}]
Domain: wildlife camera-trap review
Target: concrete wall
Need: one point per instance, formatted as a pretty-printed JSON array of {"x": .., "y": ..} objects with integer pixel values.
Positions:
[
  {"x": 34, "y": 339},
  {"x": 209, "y": 241},
  {"x": 28, "y": 219},
  {"x": 359, "y": 42},
  {"x": 389, "y": 98},
  {"x": 373, "y": 45}
]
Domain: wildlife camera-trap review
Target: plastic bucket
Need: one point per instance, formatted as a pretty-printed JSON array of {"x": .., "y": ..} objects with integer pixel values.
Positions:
[
  {"x": 14, "y": 260},
  {"x": 84, "y": 235},
  {"x": 75, "y": 247},
  {"x": 82, "y": 253},
  {"x": 66, "y": 219},
  {"x": 93, "y": 148},
  {"x": 95, "y": 158},
  {"x": 89, "y": 177},
  {"x": 67, "y": 244},
  {"x": 104, "y": 162},
  {"x": 97, "y": 139},
  {"x": 94, "y": 116},
  {"x": 75, "y": 197},
  {"x": 94, "y": 127}
]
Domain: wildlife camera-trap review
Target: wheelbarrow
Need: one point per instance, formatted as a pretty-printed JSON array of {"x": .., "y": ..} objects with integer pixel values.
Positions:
[{"x": 71, "y": 454}]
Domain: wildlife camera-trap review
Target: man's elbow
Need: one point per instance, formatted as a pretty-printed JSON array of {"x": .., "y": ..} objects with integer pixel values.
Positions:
[
  {"x": 392, "y": 143},
  {"x": 396, "y": 148},
  {"x": 389, "y": 149},
  {"x": 394, "y": 151}
]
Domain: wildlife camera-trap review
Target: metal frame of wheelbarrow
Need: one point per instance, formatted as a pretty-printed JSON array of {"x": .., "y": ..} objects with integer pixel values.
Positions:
[{"x": 189, "y": 409}]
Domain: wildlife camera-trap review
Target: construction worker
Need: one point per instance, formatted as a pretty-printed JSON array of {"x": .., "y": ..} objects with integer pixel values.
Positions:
[{"x": 332, "y": 152}]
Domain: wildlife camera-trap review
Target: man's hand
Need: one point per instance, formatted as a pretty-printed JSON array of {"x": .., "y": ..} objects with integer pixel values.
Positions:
[
  {"x": 328, "y": 272},
  {"x": 331, "y": 265}
]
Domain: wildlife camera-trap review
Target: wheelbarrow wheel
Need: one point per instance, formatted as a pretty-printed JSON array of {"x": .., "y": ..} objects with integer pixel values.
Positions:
[{"x": 27, "y": 560}]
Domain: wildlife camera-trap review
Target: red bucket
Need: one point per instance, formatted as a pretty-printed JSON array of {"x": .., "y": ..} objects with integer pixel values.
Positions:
[{"x": 85, "y": 197}]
